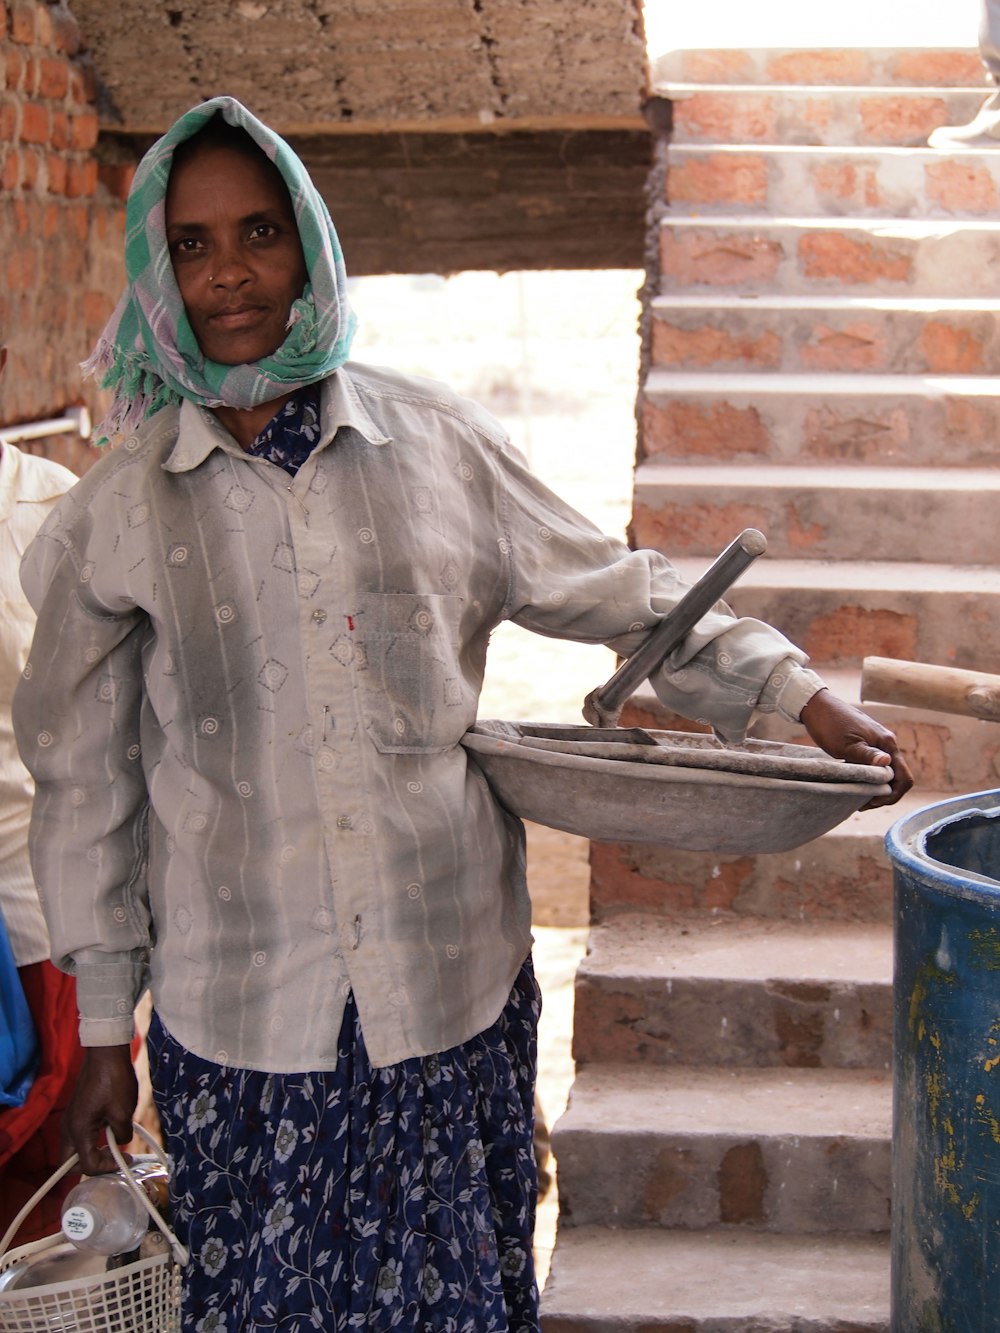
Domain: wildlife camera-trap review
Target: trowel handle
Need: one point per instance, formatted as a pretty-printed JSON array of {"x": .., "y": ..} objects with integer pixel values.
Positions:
[{"x": 603, "y": 705}]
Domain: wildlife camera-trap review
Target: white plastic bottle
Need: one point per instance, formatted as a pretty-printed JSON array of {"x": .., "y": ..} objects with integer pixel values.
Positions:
[{"x": 104, "y": 1215}]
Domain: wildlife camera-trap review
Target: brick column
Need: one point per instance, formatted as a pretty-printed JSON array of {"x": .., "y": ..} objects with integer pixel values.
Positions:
[{"x": 61, "y": 219}]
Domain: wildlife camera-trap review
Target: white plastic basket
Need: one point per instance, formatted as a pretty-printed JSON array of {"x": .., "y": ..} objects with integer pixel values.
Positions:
[{"x": 142, "y": 1297}]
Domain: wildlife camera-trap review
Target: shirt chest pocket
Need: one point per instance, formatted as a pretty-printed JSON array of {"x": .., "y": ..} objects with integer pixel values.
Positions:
[{"x": 414, "y": 696}]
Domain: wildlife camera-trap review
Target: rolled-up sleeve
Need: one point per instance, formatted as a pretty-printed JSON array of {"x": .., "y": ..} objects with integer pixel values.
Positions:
[
  {"x": 569, "y": 580},
  {"x": 77, "y": 719}
]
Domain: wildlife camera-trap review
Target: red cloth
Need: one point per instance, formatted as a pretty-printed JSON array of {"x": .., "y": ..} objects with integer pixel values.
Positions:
[{"x": 30, "y": 1134}]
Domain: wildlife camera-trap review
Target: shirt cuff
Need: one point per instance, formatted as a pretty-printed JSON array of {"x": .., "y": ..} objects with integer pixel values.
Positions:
[
  {"x": 792, "y": 686},
  {"x": 108, "y": 986},
  {"x": 98, "y": 1032}
]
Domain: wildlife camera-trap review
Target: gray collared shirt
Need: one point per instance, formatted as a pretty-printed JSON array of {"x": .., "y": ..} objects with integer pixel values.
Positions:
[{"x": 243, "y": 709}]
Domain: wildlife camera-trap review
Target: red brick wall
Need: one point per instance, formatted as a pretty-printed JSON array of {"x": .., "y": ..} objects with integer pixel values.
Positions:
[{"x": 61, "y": 220}]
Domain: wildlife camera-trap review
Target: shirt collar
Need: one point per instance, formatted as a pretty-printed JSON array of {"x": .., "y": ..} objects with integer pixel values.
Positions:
[
  {"x": 342, "y": 406},
  {"x": 201, "y": 431}
]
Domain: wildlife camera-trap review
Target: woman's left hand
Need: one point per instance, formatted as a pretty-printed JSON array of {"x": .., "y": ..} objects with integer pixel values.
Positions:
[{"x": 847, "y": 733}]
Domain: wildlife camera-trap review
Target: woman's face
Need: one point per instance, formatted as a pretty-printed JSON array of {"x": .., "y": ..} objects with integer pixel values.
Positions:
[{"x": 235, "y": 250}]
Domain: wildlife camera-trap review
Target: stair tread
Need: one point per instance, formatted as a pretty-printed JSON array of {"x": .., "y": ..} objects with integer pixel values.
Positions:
[
  {"x": 680, "y": 87},
  {"x": 652, "y": 1278},
  {"x": 640, "y": 945},
  {"x": 776, "y": 301},
  {"x": 724, "y": 384},
  {"x": 855, "y": 152},
  {"x": 886, "y": 66},
  {"x": 903, "y": 228},
  {"x": 841, "y": 476},
  {"x": 730, "y": 1102}
]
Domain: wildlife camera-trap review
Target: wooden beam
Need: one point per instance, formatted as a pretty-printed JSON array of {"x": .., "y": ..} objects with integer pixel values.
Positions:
[{"x": 440, "y": 203}]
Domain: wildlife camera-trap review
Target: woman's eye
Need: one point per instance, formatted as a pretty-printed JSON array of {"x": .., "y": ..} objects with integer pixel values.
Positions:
[
  {"x": 263, "y": 231},
  {"x": 186, "y": 245}
]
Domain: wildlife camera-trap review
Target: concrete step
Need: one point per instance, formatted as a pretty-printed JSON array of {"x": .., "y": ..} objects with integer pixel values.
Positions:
[
  {"x": 816, "y": 513},
  {"x": 844, "y": 877},
  {"x": 790, "y": 1150},
  {"x": 721, "y": 1281},
  {"x": 860, "y": 67},
  {"x": 891, "y": 420},
  {"x": 948, "y": 754},
  {"x": 842, "y": 611},
  {"x": 796, "y": 114},
  {"x": 735, "y": 994},
  {"x": 802, "y": 334},
  {"x": 855, "y": 256},
  {"x": 791, "y": 180}
]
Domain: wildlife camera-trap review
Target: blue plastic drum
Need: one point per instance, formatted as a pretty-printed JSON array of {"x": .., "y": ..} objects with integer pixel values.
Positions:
[{"x": 946, "y": 1133}]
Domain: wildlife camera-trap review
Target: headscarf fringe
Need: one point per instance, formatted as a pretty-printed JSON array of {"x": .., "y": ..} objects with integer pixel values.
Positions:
[{"x": 139, "y": 393}]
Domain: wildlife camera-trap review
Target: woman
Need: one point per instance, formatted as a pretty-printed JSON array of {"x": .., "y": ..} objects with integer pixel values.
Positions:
[{"x": 263, "y": 624}]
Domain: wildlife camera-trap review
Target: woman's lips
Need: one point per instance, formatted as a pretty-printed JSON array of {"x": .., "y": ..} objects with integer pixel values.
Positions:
[{"x": 242, "y": 318}]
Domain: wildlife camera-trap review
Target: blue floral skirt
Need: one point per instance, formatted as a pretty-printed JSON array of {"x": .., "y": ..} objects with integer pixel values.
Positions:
[{"x": 358, "y": 1198}]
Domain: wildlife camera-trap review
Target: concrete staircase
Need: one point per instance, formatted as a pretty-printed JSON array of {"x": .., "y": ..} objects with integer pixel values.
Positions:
[{"x": 821, "y": 361}]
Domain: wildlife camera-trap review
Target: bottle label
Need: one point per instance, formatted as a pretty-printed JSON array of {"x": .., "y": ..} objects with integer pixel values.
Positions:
[{"x": 78, "y": 1223}]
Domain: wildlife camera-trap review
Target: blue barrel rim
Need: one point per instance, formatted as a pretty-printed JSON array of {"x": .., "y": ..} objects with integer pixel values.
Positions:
[{"x": 905, "y": 844}]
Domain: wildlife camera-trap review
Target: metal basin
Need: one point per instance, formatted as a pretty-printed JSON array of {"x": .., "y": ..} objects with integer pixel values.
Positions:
[{"x": 672, "y": 788}]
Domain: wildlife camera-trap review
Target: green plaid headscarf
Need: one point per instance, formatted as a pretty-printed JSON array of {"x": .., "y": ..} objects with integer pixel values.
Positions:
[{"x": 148, "y": 353}]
